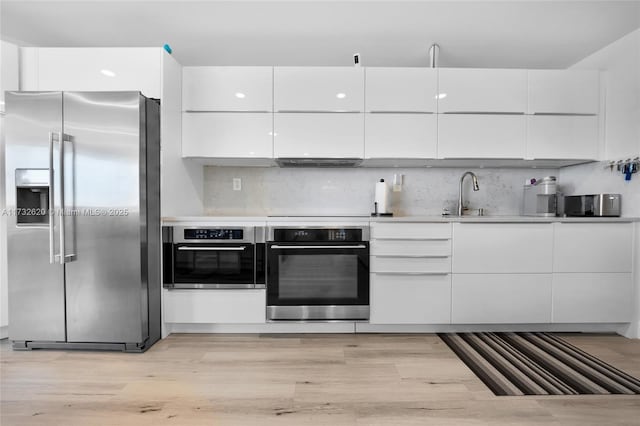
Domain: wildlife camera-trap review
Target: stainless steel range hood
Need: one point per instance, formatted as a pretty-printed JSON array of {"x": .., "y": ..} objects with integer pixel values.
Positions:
[{"x": 318, "y": 162}]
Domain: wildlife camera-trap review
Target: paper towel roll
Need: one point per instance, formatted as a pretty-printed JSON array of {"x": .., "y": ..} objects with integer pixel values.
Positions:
[{"x": 382, "y": 196}]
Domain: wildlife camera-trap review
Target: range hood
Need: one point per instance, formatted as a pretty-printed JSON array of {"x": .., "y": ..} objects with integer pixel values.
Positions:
[{"x": 318, "y": 162}]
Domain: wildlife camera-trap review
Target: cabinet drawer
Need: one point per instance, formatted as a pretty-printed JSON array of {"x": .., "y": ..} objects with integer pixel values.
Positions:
[
  {"x": 411, "y": 247},
  {"x": 502, "y": 248},
  {"x": 592, "y": 298},
  {"x": 593, "y": 247},
  {"x": 410, "y": 299},
  {"x": 409, "y": 231},
  {"x": 400, "y": 265},
  {"x": 215, "y": 306},
  {"x": 500, "y": 298}
]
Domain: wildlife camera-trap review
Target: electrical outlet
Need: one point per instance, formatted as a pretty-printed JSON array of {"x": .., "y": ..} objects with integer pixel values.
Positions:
[{"x": 237, "y": 184}]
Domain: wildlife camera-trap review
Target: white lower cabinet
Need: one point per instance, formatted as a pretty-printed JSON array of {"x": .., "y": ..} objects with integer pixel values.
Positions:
[
  {"x": 592, "y": 297},
  {"x": 400, "y": 135},
  {"x": 500, "y": 298},
  {"x": 227, "y": 135},
  {"x": 215, "y": 306},
  {"x": 410, "y": 299}
]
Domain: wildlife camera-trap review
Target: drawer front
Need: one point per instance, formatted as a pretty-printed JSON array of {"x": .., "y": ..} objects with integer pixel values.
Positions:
[
  {"x": 215, "y": 306},
  {"x": 400, "y": 265},
  {"x": 411, "y": 247},
  {"x": 399, "y": 231},
  {"x": 410, "y": 299},
  {"x": 500, "y": 298},
  {"x": 592, "y": 297}
]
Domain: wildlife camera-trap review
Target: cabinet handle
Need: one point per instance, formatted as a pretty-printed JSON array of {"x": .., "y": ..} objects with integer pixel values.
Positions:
[
  {"x": 412, "y": 256},
  {"x": 412, "y": 273},
  {"x": 301, "y": 111},
  {"x": 399, "y": 112},
  {"x": 410, "y": 239}
]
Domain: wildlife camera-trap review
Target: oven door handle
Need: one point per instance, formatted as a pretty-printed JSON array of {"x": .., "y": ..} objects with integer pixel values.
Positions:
[
  {"x": 359, "y": 246},
  {"x": 212, "y": 248}
]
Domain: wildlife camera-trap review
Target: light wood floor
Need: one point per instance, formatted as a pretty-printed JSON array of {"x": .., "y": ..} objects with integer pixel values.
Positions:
[{"x": 333, "y": 380}]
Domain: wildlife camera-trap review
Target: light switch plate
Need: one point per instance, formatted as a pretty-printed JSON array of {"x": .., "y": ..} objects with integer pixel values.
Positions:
[{"x": 237, "y": 184}]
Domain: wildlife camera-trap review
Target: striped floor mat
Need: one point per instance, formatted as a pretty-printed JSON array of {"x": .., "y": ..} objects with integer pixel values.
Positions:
[{"x": 537, "y": 364}]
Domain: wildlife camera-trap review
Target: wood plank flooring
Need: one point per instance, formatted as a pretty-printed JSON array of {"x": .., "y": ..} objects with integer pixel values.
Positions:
[{"x": 346, "y": 379}]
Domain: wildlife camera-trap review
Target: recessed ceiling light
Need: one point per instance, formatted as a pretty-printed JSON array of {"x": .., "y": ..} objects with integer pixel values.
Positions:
[
  {"x": 441, "y": 95},
  {"x": 341, "y": 95},
  {"x": 240, "y": 95},
  {"x": 108, "y": 73}
]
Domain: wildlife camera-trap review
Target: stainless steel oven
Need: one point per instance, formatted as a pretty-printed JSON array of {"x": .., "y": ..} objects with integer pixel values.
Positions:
[
  {"x": 317, "y": 273},
  {"x": 213, "y": 258}
]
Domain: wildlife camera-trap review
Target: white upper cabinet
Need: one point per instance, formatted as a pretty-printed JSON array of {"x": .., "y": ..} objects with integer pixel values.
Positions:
[
  {"x": 401, "y": 135},
  {"x": 563, "y": 92},
  {"x": 318, "y": 135},
  {"x": 224, "y": 135},
  {"x": 559, "y": 136},
  {"x": 401, "y": 90},
  {"x": 239, "y": 89},
  {"x": 466, "y": 90},
  {"x": 481, "y": 136},
  {"x": 91, "y": 69},
  {"x": 321, "y": 89}
]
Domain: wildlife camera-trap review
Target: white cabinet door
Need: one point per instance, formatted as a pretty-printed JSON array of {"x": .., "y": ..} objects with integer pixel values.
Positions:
[
  {"x": 410, "y": 299},
  {"x": 500, "y": 298},
  {"x": 481, "y": 136},
  {"x": 227, "y": 89},
  {"x": 213, "y": 306},
  {"x": 400, "y": 135},
  {"x": 436, "y": 247},
  {"x": 96, "y": 69},
  {"x": 592, "y": 297},
  {"x": 399, "y": 265},
  {"x": 332, "y": 89},
  {"x": 565, "y": 137},
  {"x": 593, "y": 247},
  {"x": 298, "y": 135},
  {"x": 482, "y": 90},
  {"x": 401, "y": 89},
  {"x": 502, "y": 247},
  {"x": 227, "y": 135},
  {"x": 563, "y": 92}
]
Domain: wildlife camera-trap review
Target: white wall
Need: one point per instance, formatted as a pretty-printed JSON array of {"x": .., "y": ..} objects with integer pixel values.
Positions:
[
  {"x": 620, "y": 66},
  {"x": 8, "y": 81},
  {"x": 313, "y": 191},
  {"x": 181, "y": 179}
]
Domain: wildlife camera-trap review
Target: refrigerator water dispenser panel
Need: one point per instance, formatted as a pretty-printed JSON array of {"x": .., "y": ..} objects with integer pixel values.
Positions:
[{"x": 32, "y": 197}]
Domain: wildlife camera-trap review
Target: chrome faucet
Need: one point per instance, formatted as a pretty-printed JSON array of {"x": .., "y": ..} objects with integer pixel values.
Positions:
[{"x": 475, "y": 188}]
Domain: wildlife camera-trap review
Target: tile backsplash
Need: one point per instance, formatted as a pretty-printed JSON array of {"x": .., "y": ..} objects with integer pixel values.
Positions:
[{"x": 313, "y": 191}]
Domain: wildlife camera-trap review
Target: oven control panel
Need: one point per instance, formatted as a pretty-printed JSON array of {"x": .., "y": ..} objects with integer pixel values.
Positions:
[{"x": 213, "y": 234}]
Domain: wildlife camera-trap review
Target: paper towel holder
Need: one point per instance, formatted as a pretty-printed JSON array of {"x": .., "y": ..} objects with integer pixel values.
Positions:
[{"x": 376, "y": 213}]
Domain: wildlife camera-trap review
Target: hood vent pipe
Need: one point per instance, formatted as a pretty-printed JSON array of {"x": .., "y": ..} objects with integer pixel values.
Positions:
[{"x": 434, "y": 52}]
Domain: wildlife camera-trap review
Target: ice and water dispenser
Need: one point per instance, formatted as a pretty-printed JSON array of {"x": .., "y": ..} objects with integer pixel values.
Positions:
[{"x": 32, "y": 197}]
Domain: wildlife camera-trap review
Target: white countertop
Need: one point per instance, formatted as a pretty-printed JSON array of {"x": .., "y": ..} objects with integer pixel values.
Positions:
[{"x": 261, "y": 220}]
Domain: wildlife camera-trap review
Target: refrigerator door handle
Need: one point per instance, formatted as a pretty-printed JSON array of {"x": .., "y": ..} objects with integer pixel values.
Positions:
[
  {"x": 64, "y": 258},
  {"x": 51, "y": 212}
]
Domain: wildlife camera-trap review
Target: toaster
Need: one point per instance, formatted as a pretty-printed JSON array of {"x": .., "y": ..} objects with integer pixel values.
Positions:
[{"x": 592, "y": 205}]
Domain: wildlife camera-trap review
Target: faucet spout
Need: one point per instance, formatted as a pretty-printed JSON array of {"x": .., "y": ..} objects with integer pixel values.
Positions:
[{"x": 476, "y": 187}]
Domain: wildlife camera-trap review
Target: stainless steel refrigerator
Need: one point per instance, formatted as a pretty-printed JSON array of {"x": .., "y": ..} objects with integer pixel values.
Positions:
[{"x": 83, "y": 225}]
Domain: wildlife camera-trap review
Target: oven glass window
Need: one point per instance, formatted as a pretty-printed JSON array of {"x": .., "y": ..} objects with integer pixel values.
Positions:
[
  {"x": 308, "y": 277},
  {"x": 214, "y": 265}
]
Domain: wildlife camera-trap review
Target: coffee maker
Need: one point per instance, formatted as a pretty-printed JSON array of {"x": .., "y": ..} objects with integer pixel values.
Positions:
[{"x": 541, "y": 197}]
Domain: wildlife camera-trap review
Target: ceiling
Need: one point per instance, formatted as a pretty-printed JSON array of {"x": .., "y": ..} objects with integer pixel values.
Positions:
[{"x": 523, "y": 34}]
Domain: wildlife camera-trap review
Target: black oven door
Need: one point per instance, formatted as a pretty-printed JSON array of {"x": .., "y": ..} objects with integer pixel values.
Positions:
[
  {"x": 211, "y": 265},
  {"x": 321, "y": 280}
]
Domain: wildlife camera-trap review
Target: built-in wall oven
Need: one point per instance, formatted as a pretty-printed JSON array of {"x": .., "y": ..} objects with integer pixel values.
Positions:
[
  {"x": 214, "y": 257},
  {"x": 318, "y": 273}
]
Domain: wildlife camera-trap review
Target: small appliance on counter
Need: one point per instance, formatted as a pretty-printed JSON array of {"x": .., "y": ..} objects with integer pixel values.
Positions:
[
  {"x": 592, "y": 205},
  {"x": 381, "y": 200},
  {"x": 541, "y": 197}
]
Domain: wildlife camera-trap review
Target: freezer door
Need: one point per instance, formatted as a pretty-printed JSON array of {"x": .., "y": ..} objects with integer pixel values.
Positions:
[
  {"x": 106, "y": 293},
  {"x": 35, "y": 276}
]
